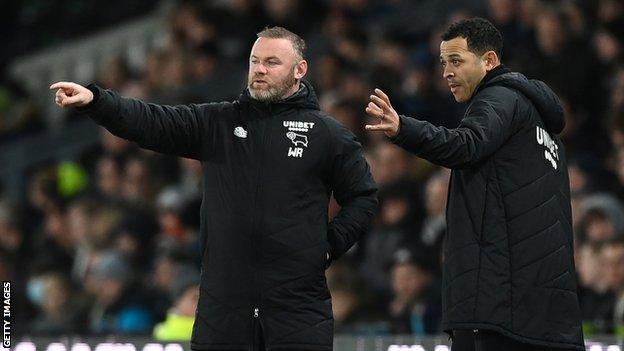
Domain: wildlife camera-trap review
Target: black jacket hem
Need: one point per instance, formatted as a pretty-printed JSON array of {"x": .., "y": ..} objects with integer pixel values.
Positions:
[
  {"x": 213, "y": 347},
  {"x": 310, "y": 347},
  {"x": 448, "y": 328}
]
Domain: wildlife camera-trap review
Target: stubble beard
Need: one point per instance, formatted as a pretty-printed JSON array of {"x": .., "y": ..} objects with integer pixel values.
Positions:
[{"x": 273, "y": 93}]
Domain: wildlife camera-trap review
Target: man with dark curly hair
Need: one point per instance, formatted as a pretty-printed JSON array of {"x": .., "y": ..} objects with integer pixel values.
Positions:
[{"x": 508, "y": 281}]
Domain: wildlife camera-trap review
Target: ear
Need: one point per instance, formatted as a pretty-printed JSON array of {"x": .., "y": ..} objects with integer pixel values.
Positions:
[
  {"x": 301, "y": 68},
  {"x": 491, "y": 60}
]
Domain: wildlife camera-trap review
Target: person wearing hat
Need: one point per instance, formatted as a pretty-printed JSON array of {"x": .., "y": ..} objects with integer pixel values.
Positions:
[
  {"x": 118, "y": 304},
  {"x": 184, "y": 293}
]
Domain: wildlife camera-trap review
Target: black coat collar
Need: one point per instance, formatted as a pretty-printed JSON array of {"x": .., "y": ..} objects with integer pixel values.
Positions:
[{"x": 495, "y": 72}]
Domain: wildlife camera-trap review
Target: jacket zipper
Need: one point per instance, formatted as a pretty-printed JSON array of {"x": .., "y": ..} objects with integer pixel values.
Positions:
[
  {"x": 257, "y": 238},
  {"x": 254, "y": 329}
]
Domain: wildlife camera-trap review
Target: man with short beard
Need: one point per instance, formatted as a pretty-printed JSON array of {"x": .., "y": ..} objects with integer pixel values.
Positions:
[{"x": 271, "y": 160}]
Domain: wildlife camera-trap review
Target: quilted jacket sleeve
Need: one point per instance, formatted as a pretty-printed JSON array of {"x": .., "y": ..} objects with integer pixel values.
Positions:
[
  {"x": 487, "y": 124},
  {"x": 353, "y": 188},
  {"x": 176, "y": 130}
]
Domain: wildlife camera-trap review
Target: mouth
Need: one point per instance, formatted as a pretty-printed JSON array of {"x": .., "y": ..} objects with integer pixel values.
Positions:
[
  {"x": 454, "y": 87},
  {"x": 260, "y": 82}
]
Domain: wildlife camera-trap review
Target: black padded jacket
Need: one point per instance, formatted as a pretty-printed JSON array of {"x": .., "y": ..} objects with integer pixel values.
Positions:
[
  {"x": 269, "y": 170},
  {"x": 508, "y": 256}
]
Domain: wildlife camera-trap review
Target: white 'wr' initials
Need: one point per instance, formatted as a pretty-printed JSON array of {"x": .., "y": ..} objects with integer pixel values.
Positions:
[{"x": 295, "y": 152}]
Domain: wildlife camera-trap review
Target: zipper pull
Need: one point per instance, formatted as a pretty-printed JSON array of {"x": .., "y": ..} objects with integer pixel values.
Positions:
[{"x": 256, "y": 312}]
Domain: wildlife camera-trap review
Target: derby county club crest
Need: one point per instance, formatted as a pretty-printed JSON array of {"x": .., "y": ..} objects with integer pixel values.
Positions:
[{"x": 296, "y": 136}]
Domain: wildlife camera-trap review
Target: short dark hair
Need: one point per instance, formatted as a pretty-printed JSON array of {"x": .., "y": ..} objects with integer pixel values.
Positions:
[
  {"x": 283, "y": 33},
  {"x": 480, "y": 34}
]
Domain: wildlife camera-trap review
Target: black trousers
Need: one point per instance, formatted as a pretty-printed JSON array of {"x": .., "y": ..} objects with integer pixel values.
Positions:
[
  {"x": 487, "y": 340},
  {"x": 258, "y": 342}
]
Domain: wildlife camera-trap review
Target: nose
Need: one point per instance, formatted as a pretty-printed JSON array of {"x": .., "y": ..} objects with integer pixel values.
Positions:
[
  {"x": 259, "y": 68},
  {"x": 447, "y": 73}
]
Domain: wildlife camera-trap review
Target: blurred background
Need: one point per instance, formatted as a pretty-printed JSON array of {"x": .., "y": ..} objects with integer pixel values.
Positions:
[{"x": 100, "y": 237}]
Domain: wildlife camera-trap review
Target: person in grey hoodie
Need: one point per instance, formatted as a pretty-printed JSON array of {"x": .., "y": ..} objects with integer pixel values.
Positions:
[{"x": 601, "y": 219}]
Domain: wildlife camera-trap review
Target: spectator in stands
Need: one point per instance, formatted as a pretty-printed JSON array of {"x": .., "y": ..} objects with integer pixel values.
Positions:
[
  {"x": 552, "y": 35},
  {"x": 346, "y": 113},
  {"x": 398, "y": 216},
  {"x": 43, "y": 195},
  {"x": 114, "y": 73},
  {"x": 61, "y": 308},
  {"x": 617, "y": 165},
  {"x": 6, "y": 268},
  {"x": 613, "y": 254},
  {"x": 185, "y": 294},
  {"x": 160, "y": 279},
  {"x": 554, "y": 42},
  {"x": 16, "y": 260},
  {"x": 355, "y": 312},
  {"x": 108, "y": 178},
  {"x": 160, "y": 282},
  {"x": 133, "y": 239},
  {"x": 54, "y": 241},
  {"x": 601, "y": 219},
  {"x": 416, "y": 305},
  {"x": 119, "y": 304},
  {"x": 391, "y": 164},
  {"x": 114, "y": 145},
  {"x": 503, "y": 14},
  {"x": 434, "y": 225},
  {"x": 13, "y": 244},
  {"x": 19, "y": 115},
  {"x": 136, "y": 186},
  {"x": 595, "y": 297},
  {"x": 608, "y": 48},
  {"x": 176, "y": 231},
  {"x": 610, "y": 14},
  {"x": 190, "y": 183},
  {"x": 80, "y": 214}
]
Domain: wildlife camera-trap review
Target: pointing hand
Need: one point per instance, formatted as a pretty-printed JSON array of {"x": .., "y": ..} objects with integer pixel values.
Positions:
[{"x": 70, "y": 94}]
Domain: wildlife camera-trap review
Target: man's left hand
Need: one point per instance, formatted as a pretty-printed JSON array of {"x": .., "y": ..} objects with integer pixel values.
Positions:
[{"x": 380, "y": 108}]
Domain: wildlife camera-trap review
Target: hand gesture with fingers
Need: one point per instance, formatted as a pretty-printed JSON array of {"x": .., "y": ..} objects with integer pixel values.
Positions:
[
  {"x": 70, "y": 94},
  {"x": 380, "y": 108}
]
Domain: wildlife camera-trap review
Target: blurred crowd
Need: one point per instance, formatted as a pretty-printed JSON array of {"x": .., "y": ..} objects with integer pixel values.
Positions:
[
  {"x": 108, "y": 242},
  {"x": 40, "y": 24}
]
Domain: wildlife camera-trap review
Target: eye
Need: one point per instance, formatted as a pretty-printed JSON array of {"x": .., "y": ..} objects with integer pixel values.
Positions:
[
  {"x": 273, "y": 63},
  {"x": 442, "y": 63},
  {"x": 455, "y": 62}
]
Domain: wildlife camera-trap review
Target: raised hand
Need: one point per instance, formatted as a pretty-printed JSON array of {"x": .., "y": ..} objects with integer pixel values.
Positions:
[
  {"x": 380, "y": 108},
  {"x": 69, "y": 94}
]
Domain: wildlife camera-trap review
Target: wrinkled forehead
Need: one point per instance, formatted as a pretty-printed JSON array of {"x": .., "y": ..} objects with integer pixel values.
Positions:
[
  {"x": 456, "y": 46},
  {"x": 265, "y": 48}
]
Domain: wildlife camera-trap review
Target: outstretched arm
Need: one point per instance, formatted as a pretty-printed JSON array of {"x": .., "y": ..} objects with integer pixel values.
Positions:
[
  {"x": 174, "y": 130},
  {"x": 488, "y": 123}
]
